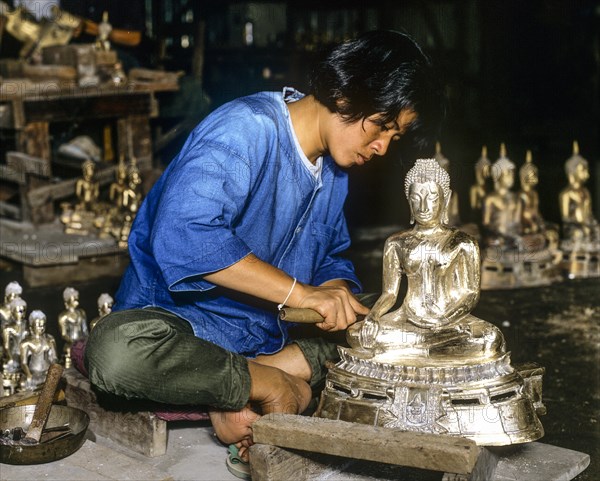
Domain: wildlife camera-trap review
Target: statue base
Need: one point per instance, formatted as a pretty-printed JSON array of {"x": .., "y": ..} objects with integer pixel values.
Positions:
[
  {"x": 511, "y": 269},
  {"x": 489, "y": 402},
  {"x": 580, "y": 263}
]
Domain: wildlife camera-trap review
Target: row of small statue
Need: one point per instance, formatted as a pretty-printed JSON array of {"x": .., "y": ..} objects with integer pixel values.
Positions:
[
  {"x": 109, "y": 219},
  {"x": 519, "y": 247},
  {"x": 27, "y": 351}
]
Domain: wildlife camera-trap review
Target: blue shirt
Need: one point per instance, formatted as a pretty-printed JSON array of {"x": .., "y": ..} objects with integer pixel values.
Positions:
[{"x": 240, "y": 185}]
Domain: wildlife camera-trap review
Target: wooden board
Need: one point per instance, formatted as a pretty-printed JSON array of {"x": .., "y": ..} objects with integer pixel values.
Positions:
[{"x": 372, "y": 443}]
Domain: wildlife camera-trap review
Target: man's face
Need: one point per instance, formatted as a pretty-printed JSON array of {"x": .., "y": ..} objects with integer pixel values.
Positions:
[{"x": 356, "y": 143}]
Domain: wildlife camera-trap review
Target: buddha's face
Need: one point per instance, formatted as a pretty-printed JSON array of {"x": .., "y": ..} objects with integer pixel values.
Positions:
[
  {"x": 506, "y": 178},
  {"x": 18, "y": 312},
  {"x": 426, "y": 201},
  {"x": 581, "y": 173},
  {"x": 529, "y": 177},
  {"x": 72, "y": 302},
  {"x": 39, "y": 326}
]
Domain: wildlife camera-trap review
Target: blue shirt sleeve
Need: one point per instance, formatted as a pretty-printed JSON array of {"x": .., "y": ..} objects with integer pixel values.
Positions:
[{"x": 194, "y": 230}]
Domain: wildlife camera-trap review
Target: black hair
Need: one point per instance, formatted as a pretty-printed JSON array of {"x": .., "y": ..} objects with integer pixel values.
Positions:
[{"x": 381, "y": 72}]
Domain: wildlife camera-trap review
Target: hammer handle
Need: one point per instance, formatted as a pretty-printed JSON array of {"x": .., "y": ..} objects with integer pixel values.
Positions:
[
  {"x": 44, "y": 404},
  {"x": 304, "y": 316}
]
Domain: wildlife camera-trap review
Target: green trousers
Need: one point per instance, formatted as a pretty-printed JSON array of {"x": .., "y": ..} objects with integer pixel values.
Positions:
[{"x": 153, "y": 355}]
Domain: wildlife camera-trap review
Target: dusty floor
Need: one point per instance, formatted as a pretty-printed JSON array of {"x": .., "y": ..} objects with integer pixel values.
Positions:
[{"x": 556, "y": 326}]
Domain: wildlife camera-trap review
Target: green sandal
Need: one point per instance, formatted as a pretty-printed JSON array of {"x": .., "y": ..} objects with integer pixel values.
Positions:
[{"x": 236, "y": 465}]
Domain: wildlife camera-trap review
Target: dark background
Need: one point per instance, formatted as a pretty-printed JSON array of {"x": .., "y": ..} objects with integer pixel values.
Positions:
[
  {"x": 523, "y": 73},
  {"x": 526, "y": 73}
]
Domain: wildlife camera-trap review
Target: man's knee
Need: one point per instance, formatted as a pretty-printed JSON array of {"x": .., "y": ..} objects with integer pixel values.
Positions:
[{"x": 109, "y": 356}]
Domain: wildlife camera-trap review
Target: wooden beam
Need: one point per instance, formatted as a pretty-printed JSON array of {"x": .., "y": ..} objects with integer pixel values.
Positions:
[{"x": 373, "y": 443}]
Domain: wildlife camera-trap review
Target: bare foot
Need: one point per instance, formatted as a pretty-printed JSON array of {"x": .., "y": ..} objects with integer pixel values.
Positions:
[{"x": 274, "y": 391}]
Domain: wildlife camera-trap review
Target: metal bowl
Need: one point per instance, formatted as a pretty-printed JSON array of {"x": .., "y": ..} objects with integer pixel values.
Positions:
[{"x": 46, "y": 452}]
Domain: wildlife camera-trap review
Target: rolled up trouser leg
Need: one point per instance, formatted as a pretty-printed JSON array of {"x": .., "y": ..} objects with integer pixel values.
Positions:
[
  {"x": 153, "y": 354},
  {"x": 317, "y": 352}
]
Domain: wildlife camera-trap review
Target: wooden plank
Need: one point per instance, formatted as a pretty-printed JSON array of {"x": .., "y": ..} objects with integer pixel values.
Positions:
[
  {"x": 96, "y": 104},
  {"x": 140, "y": 431},
  {"x": 28, "y": 164},
  {"x": 85, "y": 269},
  {"x": 271, "y": 463},
  {"x": 66, "y": 188},
  {"x": 373, "y": 443}
]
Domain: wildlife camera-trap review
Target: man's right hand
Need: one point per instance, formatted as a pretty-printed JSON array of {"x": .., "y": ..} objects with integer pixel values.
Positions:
[{"x": 335, "y": 302}]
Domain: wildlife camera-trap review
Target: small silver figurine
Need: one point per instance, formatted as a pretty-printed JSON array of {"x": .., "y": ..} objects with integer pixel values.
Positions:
[
  {"x": 38, "y": 352},
  {"x": 72, "y": 323},
  {"x": 13, "y": 290},
  {"x": 12, "y": 335},
  {"x": 581, "y": 231}
]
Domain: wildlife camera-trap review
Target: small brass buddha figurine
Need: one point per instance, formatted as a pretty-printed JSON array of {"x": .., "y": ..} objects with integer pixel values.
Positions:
[
  {"x": 453, "y": 207},
  {"x": 532, "y": 221},
  {"x": 581, "y": 230},
  {"x": 72, "y": 323},
  {"x": 79, "y": 219},
  {"x": 13, "y": 290},
  {"x": 12, "y": 335},
  {"x": 502, "y": 207},
  {"x": 87, "y": 189},
  {"x": 115, "y": 192},
  {"x": 430, "y": 365},
  {"x": 105, "y": 304},
  {"x": 38, "y": 352},
  {"x": 131, "y": 201},
  {"x": 479, "y": 190}
]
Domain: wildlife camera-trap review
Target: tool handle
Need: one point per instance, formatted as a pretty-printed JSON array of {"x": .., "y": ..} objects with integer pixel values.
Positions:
[
  {"x": 304, "y": 316},
  {"x": 44, "y": 404}
]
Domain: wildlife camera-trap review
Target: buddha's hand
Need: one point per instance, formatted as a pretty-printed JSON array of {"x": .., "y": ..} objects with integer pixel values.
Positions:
[{"x": 368, "y": 333}]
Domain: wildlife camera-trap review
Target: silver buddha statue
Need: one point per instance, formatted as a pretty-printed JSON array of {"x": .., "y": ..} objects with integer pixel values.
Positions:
[
  {"x": 72, "y": 323},
  {"x": 13, "y": 290},
  {"x": 12, "y": 335},
  {"x": 581, "y": 230},
  {"x": 516, "y": 254},
  {"x": 479, "y": 190},
  {"x": 38, "y": 352},
  {"x": 430, "y": 365}
]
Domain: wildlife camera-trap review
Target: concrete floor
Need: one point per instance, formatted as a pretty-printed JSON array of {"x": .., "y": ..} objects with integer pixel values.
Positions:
[{"x": 556, "y": 326}]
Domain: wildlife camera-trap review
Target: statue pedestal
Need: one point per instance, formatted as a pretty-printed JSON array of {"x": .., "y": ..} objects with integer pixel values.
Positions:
[
  {"x": 488, "y": 401},
  {"x": 511, "y": 269}
]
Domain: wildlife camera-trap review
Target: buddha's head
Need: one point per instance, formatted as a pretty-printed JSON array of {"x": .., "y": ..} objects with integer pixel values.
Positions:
[
  {"x": 12, "y": 291},
  {"x": 482, "y": 167},
  {"x": 88, "y": 169},
  {"x": 577, "y": 169},
  {"x": 528, "y": 173},
  {"x": 503, "y": 173},
  {"x": 71, "y": 297},
  {"x": 18, "y": 309},
  {"x": 121, "y": 172},
  {"x": 37, "y": 322},
  {"x": 105, "y": 304},
  {"x": 427, "y": 188}
]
